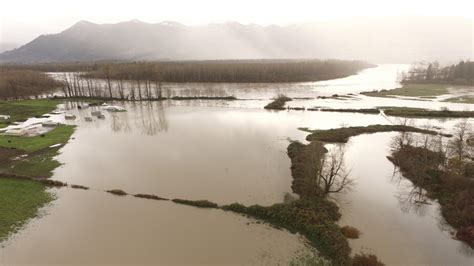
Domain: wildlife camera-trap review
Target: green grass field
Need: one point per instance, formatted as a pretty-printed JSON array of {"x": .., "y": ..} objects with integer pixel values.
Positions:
[
  {"x": 24, "y": 109},
  {"x": 19, "y": 202},
  {"x": 413, "y": 90},
  {"x": 61, "y": 134},
  {"x": 20, "y": 199},
  {"x": 39, "y": 165},
  {"x": 461, "y": 99}
]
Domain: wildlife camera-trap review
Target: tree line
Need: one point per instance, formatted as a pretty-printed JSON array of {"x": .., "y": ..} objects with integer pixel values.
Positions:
[
  {"x": 77, "y": 85},
  {"x": 143, "y": 80},
  {"x": 230, "y": 70},
  {"x": 20, "y": 83},
  {"x": 431, "y": 72}
]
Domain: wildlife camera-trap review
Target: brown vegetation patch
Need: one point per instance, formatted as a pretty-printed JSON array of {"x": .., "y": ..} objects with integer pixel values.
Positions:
[
  {"x": 363, "y": 259},
  {"x": 117, "y": 192},
  {"x": 278, "y": 103},
  {"x": 6, "y": 154},
  {"x": 17, "y": 84},
  {"x": 197, "y": 203},
  {"x": 466, "y": 234},
  {"x": 303, "y": 160},
  {"x": 79, "y": 187},
  {"x": 350, "y": 232},
  {"x": 147, "y": 196}
]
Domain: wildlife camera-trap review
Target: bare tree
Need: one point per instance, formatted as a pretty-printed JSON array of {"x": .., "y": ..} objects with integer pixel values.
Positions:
[
  {"x": 404, "y": 138},
  {"x": 106, "y": 70},
  {"x": 332, "y": 175},
  {"x": 120, "y": 88},
  {"x": 458, "y": 145}
]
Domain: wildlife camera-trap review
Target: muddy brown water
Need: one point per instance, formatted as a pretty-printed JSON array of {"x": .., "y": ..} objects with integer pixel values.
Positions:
[
  {"x": 92, "y": 227},
  {"x": 398, "y": 222},
  {"x": 224, "y": 152}
]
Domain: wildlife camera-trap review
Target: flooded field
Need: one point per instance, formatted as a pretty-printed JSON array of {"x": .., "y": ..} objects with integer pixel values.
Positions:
[{"x": 226, "y": 152}]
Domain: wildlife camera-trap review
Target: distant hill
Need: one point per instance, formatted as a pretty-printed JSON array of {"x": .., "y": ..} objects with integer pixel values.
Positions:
[
  {"x": 8, "y": 46},
  {"x": 376, "y": 39}
]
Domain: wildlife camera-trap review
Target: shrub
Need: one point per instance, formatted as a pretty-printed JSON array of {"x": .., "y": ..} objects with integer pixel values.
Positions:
[
  {"x": 363, "y": 259},
  {"x": 117, "y": 192},
  {"x": 146, "y": 196},
  {"x": 278, "y": 103},
  {"x": 79, "y": 187},
  {"x": 350, "y": 232},
  {"x": 197, "y": 203}
]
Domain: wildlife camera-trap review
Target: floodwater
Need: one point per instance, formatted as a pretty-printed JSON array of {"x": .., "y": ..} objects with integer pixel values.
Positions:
[
  {"x": 225, "y": 152},
  {"x": 224, "y": 155},
  {"x": 398, "y": 223},
  {"x": 92, "y": 227}
]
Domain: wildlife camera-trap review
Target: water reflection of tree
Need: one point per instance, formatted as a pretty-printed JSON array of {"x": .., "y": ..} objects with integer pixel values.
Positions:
[
  {"x": 120, "y": 123},
  {"x": 411, "y": 198},
  {"x": 152, "y": 118}
]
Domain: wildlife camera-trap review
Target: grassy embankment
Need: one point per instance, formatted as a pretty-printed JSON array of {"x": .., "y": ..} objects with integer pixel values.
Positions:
[
  {"x": 405, "y": 112},
  {"x": 423, "y": 90},
  {"x": 454, "y": 190},
  {"x": 21, "y": 198},
  {"x": 342, "y": 135},
  {"x": 362, "y": 110},
  {"x": 425, "y": 113},
  {"x": 461, "y": 99}
]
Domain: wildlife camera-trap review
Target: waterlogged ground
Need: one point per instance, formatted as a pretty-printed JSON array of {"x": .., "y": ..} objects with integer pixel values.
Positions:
[{"x": 227, "y": 151}]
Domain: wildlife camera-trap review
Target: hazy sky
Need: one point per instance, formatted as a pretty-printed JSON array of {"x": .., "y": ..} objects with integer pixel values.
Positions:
[{"x": 23, "y": 20}]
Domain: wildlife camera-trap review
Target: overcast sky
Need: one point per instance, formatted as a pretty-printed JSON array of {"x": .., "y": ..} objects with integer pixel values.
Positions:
[{"x": 23, "y": 20}]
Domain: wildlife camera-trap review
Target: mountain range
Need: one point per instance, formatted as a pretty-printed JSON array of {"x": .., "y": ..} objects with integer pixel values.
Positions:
[{"x": 379, "y": 40}]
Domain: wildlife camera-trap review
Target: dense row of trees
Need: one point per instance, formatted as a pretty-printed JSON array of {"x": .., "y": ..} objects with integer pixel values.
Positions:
[
  {"x": 230, "y": 71},
  {"x": 457, "y": 152},
  {"x": 461, "y": 73},
  {"x": 17, "y": 84},
  {"x": 143, "y": 80},
  {"x": 76, "y": 85}
]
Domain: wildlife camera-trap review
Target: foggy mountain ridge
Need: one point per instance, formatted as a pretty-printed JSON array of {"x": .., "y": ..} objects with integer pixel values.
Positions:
[{"x": 380, "y": 40}]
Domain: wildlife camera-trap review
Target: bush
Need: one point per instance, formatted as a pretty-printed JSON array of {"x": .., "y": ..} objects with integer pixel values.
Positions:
[
  {"x": 350, "y": 232},
  {"x": 197, "y": 203},
  {"x": 117, "y": 192},
  {"x": 147, "y": 196},
  {"x": 278, "y": 103},
  {"x": 363, "y": 259},
  {"x": 342, "y": 135}
]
